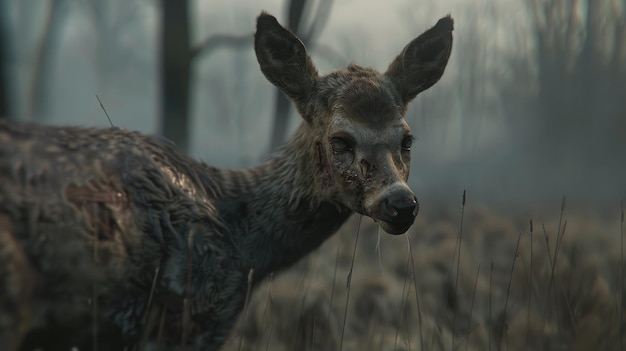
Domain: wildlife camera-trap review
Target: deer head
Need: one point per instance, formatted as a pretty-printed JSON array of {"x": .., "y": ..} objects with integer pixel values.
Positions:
[{"x": 356, "y": 117}]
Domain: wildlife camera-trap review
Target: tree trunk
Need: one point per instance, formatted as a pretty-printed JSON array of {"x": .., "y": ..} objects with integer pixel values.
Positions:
[
  {"x": 175, "y": 71},
  {"x": 4, "y": 51},
  {"x": 41, "y": 76}
]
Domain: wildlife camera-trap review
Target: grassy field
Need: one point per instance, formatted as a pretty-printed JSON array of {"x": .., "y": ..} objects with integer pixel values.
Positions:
[{"x": 524, "y": 279}]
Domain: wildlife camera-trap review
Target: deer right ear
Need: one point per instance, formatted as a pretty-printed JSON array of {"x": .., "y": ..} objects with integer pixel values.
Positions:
[
  {"x": 283, "y": 58},
  {"x": 423, "y": 60}
]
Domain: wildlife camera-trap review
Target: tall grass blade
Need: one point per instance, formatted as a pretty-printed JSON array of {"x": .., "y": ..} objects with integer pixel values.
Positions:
[
  {"x": 621, "y": 278},
  {"x": 246, "y": 303},
  {"x": 417, "y": 300},
  {"x": 504, "y": 330},
  {"x": 349, "y": 284},
  {"x": 105, "y": 110},
  {"x": 472, "y": 304},
  {"x": 458, "y": 244},
  {"x": 490, "y": 329}
]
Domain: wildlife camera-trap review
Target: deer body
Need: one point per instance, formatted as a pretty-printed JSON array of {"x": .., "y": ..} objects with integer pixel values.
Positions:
[{"x": 116, "y": 238}]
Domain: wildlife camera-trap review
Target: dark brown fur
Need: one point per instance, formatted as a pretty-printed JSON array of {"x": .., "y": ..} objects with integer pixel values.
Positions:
[
  {"x": 114, "y": 238},
  {"x": 365, "y": 98}
]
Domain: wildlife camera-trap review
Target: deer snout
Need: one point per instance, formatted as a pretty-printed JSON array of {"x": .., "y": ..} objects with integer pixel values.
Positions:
[
  {"x": 394, "y": 209},
  {"x": 403, "y": 209}
]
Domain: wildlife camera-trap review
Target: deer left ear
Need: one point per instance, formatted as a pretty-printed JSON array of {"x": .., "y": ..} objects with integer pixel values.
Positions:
[
  {"x": 423, "y": 61},
  {"x": 283, "y": 59}
]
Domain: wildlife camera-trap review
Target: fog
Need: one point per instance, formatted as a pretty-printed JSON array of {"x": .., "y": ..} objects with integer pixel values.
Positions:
[{"x": 532, "y": 106}]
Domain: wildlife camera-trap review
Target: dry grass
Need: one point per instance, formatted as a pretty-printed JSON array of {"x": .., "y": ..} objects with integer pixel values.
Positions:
[{"x": 548, "y": 279}]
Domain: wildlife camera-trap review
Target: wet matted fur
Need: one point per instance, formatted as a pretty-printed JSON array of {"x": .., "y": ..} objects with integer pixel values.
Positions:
[{"x": 114, "y": 238}]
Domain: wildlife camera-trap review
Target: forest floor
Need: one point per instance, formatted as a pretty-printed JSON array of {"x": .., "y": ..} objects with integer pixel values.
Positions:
[{"x": 535, "y": 278}]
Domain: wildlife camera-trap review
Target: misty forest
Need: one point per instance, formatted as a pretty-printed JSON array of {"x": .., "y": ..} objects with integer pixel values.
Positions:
[{"x": 519, "y": 160}]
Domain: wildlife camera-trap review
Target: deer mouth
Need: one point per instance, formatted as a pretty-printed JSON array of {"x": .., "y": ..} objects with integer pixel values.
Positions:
[{"x": 394, "y": 228}]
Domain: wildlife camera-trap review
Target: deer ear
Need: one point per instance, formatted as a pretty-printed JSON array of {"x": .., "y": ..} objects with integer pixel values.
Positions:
[
  {"x": 423, "y": 61},
  {"x": 283, "y": 58}
]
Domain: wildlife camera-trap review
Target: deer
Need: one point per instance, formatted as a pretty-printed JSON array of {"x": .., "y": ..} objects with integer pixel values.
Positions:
[{"x": 111, "y": 238}]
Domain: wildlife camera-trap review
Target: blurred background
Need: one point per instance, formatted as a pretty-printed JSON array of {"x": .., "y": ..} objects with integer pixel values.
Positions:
[{"x": 531, "y": 108}]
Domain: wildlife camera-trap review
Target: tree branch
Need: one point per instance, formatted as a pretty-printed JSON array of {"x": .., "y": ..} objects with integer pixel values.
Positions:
[
  {"x": 214, "y": 42},
  {"x": 294, "y": 12}
]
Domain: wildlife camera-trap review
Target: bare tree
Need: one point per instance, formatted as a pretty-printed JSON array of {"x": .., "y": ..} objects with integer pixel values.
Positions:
[
  {"x": 113, "y": 21},
  {"x": 568, "y": 128},
  {"x": 581, "y": 86},
  {"x": 4, "y": 83},
  {"x": 177, "y": 56},
  {"x": 174, "y": 70},
  {"x": 41, "y": 75}
]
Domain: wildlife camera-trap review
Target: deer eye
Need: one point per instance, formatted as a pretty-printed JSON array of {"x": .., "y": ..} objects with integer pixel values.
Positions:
[
  {"x": 340, "y": 145},
  {"x": 407, "y": 142}
]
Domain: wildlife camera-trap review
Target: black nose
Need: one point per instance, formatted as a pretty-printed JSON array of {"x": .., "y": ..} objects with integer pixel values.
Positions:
[{"x": 401, "y": 210}]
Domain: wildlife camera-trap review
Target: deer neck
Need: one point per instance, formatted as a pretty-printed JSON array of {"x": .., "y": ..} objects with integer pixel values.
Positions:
[{"x": 282, "y": 209}]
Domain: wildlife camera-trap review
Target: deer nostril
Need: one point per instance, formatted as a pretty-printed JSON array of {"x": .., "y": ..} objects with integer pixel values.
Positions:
[
  {"x": 389, "y": 209},
  {"x": 403, "y": 209}
]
